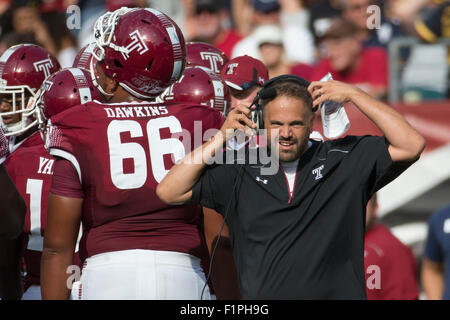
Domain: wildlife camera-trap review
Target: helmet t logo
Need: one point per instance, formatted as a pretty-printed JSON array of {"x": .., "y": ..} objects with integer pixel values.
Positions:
[
  {"x": 136, "y": 44},
  {"x": 43, "y": 65},
  {"x": 213, "y": 59}
]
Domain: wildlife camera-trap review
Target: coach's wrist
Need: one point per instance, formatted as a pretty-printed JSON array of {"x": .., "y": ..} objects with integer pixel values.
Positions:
[{"x": 355, "y": 94}]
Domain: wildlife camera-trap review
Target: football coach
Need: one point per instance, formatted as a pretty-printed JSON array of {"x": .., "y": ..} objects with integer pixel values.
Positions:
[{"x": 298, "y": 234}]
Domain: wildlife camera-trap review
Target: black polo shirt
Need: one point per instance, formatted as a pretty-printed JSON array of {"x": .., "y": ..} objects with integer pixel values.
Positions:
[{"x": 310, "y": 245}]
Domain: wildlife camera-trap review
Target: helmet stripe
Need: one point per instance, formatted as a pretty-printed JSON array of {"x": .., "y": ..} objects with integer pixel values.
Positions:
[
  {"x": 5, "y": 56},
  {"x": 175, "y": 41},
  {"x": 82, "y": 85},
  {"x": 177, "y": 53}
]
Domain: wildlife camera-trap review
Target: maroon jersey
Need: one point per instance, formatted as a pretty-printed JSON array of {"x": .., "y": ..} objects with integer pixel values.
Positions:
[
  {"x": 3, "y": 146},
  {"x": 390, "y": 266},
  {"x": 121, "y": 152},
  {"x": 30, "y": 167}
]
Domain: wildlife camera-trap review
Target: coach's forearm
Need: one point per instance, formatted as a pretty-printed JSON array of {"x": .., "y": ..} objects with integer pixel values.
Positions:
[
  {"x": 406, "y": 144},
  {"x": 176, "y": 187}
]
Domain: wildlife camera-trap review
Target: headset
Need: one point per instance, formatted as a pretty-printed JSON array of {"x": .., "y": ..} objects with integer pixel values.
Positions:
[{"x": 268, "y": 93}]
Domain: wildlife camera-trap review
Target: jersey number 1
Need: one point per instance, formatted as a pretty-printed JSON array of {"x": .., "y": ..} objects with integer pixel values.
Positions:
[{"x": 34, "y": 189}]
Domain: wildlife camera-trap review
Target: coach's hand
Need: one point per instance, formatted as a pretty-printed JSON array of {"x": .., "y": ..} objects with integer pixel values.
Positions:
[
  {"x": 238, "y": 119},
  {"x": 331, "y": 90}
]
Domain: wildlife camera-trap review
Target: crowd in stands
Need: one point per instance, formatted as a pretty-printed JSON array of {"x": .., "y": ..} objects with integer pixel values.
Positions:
[{"x": 309, "y": 38}]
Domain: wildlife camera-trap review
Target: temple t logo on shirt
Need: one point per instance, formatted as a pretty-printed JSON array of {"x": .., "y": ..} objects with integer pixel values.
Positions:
[{"x": 318, "y": 172}]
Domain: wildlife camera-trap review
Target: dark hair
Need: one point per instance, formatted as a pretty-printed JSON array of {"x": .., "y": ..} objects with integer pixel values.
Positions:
[{"x": 292, "y": 89}]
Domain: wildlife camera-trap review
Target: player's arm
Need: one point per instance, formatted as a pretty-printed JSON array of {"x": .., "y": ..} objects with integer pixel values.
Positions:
[
  {"x": 432, "y": 277},
  {"x": 63, "y": 223},
  {"x": 223, "y": 272},
  {"x": 176, "y": 187},
  {"x": 406, "y": 144},
  {"x": 12, "y": 207}
]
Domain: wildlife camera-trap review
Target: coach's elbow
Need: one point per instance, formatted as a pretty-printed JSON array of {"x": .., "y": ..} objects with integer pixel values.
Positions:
[
  {"x": 419, "y": 145},
  {"x": 415, "y": 148},
  {"x": 410, "y": 150},
  {"x": 168, "y": 195}
]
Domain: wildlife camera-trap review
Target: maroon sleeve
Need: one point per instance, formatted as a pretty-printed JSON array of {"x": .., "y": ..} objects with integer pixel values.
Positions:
[{"x": 66, "y": 182}]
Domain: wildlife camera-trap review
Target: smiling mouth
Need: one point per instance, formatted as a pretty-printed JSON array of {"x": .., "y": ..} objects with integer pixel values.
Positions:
[{"x": 286, "y": 144}]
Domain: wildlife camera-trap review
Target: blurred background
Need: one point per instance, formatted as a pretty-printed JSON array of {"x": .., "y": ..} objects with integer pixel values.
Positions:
[{"x": 397, "y": 50}]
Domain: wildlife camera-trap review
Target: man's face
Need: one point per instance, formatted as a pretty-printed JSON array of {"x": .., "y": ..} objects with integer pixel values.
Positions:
[
  {"x": 356, "y": 11},
  {"x": 293, "y": 120},
  {"x": 208, "y": 25},
  {"x": 6, "y": 105},
  {"x": 271, "y": 54},
  {"x": 24, "y": 19},
  {"x": 244, "y": 97},
  {"x": 342, "y": 52}
]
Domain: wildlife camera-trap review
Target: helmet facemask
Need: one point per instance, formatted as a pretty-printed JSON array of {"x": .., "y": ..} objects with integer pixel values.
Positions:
[
  {"x": 22, "y": 104},
  {"x": 104, "y": 32}
]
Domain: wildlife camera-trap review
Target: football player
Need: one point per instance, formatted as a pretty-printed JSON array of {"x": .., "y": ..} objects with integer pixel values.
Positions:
[
  {"x": 12, "y": 216},
  {"x": 62, "y": 90},
  {"x": 111, "y": 156},
  {"x": 23, "y": 68}
]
